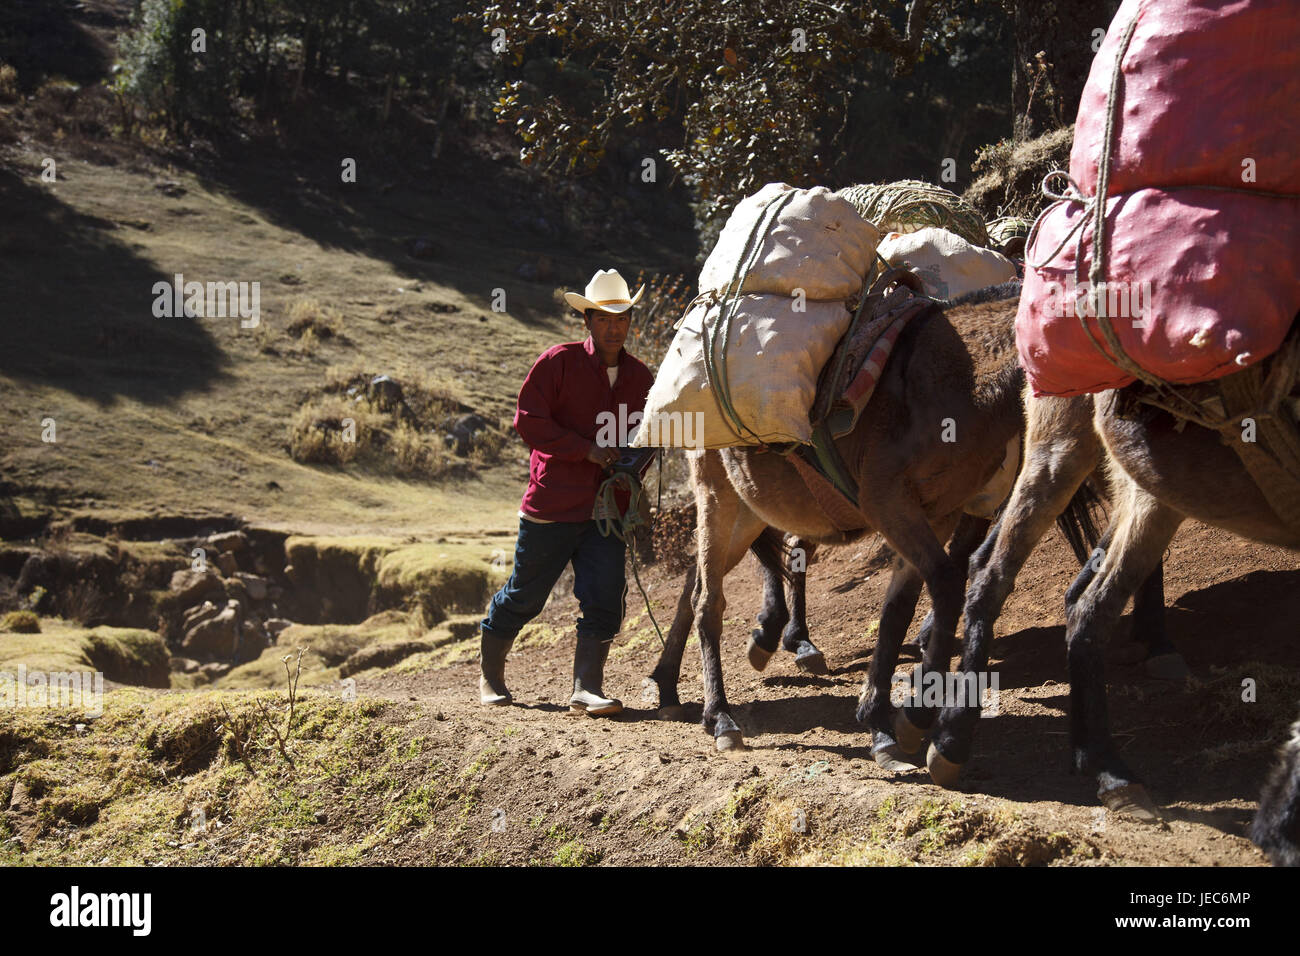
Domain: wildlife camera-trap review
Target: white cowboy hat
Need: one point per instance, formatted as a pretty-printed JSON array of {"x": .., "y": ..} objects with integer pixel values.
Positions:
[{"x": 607, "y": 292}]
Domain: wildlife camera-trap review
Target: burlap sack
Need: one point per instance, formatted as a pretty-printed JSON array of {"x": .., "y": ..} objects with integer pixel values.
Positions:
[
  {"x": 773, "y": 357},
  {"x": 817, "y": 242},
  {"x": 948, "y": 265}
]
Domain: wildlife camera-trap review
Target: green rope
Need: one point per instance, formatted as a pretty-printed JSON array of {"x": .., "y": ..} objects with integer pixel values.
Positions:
[
  {"x": 622, "y": 526},
  {"x": 719, "y": 381}
]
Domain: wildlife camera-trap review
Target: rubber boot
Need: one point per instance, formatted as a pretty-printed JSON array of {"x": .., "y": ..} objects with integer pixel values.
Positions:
[
  {"x": 588, "y": 673},
  {"x": 492, "y": 676}
]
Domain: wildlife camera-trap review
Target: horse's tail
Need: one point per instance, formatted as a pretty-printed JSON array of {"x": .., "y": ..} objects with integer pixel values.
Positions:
[
  {"x": 1078, "y": 522},
  {"x": 772, "y": 553}
]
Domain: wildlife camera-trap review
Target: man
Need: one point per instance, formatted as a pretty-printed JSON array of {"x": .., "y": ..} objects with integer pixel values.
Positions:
[{"x": 566, "y": 390}]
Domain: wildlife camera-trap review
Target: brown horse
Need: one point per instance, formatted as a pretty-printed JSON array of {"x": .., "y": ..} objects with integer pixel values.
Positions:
[
  {"x": 939, "y": 438},
  {"x": 1163, "y": 471}
]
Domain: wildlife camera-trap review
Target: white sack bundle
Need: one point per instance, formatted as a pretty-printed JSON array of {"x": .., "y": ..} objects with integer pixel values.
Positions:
[
  {"x": 773, "y": 357},
  {"x": 816, "y": 242},
  {"x": 948, "y": 265}
]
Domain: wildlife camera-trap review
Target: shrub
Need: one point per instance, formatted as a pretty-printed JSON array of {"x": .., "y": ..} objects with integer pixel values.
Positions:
[
  {"x": 418, "y": 454},
  {"x": 665, "y": 301},
  {"x": 308, "y": 319},
  {"x": 161, "y": 71},
  {"x": 317, "y": 434},
  {"x": 8, "y": 83}
]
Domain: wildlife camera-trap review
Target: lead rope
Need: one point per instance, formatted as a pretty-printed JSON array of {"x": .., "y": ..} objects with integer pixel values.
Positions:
[{"x": 622, "y": 526}]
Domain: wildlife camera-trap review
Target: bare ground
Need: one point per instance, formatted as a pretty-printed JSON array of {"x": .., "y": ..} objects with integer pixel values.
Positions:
[{"x": 1203, "y": 751}]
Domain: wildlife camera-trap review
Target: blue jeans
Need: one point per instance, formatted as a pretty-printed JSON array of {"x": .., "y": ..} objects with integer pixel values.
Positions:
[{"x": 541, "y": 555}]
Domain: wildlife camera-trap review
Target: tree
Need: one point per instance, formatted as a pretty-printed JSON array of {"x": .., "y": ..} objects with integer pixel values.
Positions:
[
  {"x": 754, "y": 90},
  {"x": 1054, "y": 50}
]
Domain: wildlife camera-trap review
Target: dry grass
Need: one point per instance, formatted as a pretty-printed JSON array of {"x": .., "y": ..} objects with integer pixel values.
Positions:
[
  {"x": 407, "y": 439},
  {"x": 1010, "y": 173},
  {"x": 335, "y": 431},
  {"x": 417, "y": 454},
  {"x": 21, "y": 622},
  {"x": 311, "y": 323}
]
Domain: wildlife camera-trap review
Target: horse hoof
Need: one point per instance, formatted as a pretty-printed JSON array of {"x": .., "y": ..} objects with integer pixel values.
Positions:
[
  {"x": 729, "y": 741},
  {"x": 812, "y": 661},
  {"x": 892, "y": 760},
  {"x": 1131, "y": 800},
  {"x": 672, "y": 712},
  {"x": 758, "y": 656},
  {"x": 1170, "y": 667},
  {"x": 909, "y": 736},
  {"x": 942, "y": 770}
]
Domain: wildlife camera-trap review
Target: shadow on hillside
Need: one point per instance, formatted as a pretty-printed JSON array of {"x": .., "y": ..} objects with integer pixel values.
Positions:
[
  {"x": 471, "y": 225},
  {"x": 39, "y": 38},
  {"x": 463, "y": 235},
  {"x": 77, "y": 311}
]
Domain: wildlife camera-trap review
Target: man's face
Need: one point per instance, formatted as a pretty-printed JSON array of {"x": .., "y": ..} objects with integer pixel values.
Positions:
[{"x": 608, "y": 329}]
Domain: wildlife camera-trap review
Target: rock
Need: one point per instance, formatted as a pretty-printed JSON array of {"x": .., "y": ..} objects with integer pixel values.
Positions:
[
  {"x": 184, "y": 665},
  {"x": 252, "y": 640},
  {"x": 384, "y": 392},
  {"x": 381, "y": 655},
  {"x": 20, "y": 796},
  {"x": 235, "y": 541},
  {"x": 39, "y": 570},
  {"x": 274, "y": 625},
  {"x": 191, "y": 587},
  {"x": 227, "y": 563},
  {"x": 216, "y": 637},
  {"x": 465, "y": 429},
  {"x": 237, "y": 590},
  {"x": 258, "y": 588},
  {"x": 214, "y": 670},
  {"x": 200, "y": 612}
]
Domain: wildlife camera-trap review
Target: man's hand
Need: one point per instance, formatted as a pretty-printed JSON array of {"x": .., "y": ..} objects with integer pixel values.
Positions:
[{"x": 602, "y": 456}]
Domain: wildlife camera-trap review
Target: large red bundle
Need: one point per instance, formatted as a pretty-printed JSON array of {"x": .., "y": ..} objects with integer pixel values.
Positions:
[{"x": 1201, "y": 281}]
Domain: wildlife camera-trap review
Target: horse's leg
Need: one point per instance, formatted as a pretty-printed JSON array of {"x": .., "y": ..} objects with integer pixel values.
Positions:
[
  {"x": 1164, "y": 660},
  {"x": 1142, "y": 529},
  {"x": 919, "y": 545},
  {"x": 875, "y": 709},
  {"x": 971, "y": 531},
  {"x": 795, "y": 636},
  {"x": 668, "y": 670},
  {"x": 1276, "y": 829},
  {"x": 1062, "y": 451},
  {"x": 726, "y": 529},
  {"x": 946, "y": 583},
  {"x": 774, "y": 615}
]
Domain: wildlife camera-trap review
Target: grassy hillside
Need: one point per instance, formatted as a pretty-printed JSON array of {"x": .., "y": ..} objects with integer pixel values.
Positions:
[{"x": 184, "y": 415}]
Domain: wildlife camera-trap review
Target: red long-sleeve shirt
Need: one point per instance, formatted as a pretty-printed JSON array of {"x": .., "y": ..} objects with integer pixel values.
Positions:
[{"x": 565, "y": 391}]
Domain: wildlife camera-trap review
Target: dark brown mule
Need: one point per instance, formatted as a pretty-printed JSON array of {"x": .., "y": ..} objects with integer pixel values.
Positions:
[
  {"x": 940, "y": 437},
  {"x": 1161, "y": 474}
]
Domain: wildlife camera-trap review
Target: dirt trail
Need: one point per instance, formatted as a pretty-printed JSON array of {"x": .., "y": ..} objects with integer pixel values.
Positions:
[{"x": 641, "y": 790}]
